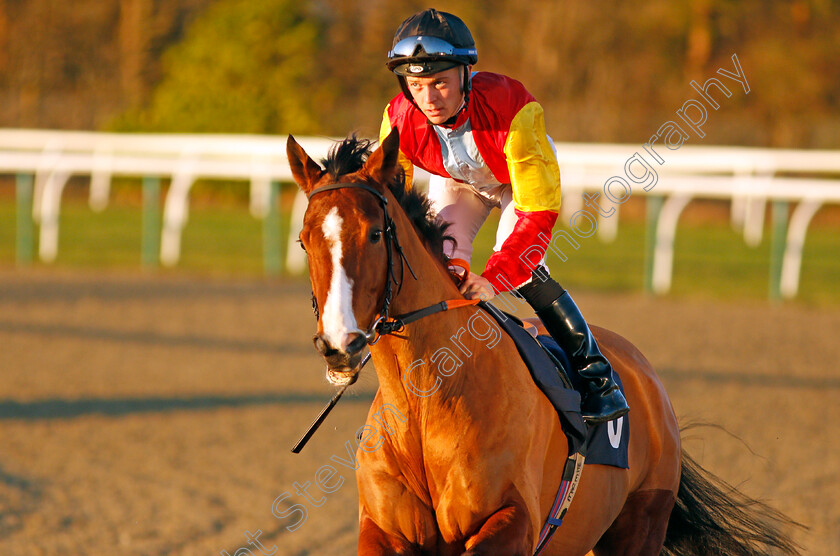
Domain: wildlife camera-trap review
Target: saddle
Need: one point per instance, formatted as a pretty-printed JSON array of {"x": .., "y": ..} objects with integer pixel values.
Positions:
[{"x": 603, "y": 443}]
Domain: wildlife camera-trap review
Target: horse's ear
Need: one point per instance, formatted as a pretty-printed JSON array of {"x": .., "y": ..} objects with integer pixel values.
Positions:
[
  {"x": 383, "y": 164},
  {"x": 305, "y": 170}
]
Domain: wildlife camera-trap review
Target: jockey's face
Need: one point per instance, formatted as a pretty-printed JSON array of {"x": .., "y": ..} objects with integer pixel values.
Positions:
[{"x": 440, "y": 95}]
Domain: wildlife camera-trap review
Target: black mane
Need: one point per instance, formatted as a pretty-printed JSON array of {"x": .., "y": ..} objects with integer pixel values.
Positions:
[{"x": 349, "y": 156}]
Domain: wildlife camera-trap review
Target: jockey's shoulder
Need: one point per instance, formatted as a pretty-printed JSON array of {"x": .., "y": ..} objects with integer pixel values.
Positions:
[{"x": 504, "y": 94}]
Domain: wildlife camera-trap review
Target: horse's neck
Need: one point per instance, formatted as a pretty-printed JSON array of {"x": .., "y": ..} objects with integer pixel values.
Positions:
[
  {"x": 442, "y": 373},
  {"x": 432, "y": 283},
  {"x": 410, "y": 350},
  {"x": 409, "y": 363}
]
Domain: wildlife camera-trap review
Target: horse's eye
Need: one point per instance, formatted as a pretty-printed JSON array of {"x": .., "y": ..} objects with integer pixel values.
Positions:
[
  {"x": 375, "y": 236},
  {"x": 299, "y": 242}
]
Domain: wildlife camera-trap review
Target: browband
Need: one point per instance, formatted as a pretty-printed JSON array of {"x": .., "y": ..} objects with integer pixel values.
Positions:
[{"x": 344, "y": 185}]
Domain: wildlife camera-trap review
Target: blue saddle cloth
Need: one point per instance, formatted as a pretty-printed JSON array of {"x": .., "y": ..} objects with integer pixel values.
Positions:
[{"x": 604, "y": 443}]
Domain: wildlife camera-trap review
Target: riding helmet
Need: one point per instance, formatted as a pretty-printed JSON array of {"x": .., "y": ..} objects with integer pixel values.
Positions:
[{"x": 412, "y": 54}]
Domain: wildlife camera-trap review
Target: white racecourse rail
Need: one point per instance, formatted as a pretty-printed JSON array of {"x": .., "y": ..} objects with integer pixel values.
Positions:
[{"x": 747, "y": 177}]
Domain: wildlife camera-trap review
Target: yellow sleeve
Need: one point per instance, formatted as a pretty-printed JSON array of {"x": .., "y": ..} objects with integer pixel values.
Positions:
[
  {"x": 534, "y": 173},
  {"x": 408, "y": 167}
]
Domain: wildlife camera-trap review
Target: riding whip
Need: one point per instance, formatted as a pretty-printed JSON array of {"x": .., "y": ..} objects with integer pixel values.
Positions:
[{"x": 324, "y": 412}]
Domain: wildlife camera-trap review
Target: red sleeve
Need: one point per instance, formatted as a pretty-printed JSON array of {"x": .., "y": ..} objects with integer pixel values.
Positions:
[{"x": 522, "y": 251}]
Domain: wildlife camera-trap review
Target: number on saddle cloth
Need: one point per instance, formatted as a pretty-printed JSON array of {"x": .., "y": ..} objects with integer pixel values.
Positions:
[{"x": 606, "y": 443}]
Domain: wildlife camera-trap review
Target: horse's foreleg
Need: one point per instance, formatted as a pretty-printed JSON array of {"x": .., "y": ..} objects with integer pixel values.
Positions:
[
  {"x": 373, "y": 541},
  {"x": 507, "y": 532}
]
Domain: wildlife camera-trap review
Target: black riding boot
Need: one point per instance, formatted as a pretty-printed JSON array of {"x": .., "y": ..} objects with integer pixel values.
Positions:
[{"x": 601, "y": 399}]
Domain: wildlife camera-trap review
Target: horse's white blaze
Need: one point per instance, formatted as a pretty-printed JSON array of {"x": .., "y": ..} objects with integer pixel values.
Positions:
[{"x": 338, "y": 320}]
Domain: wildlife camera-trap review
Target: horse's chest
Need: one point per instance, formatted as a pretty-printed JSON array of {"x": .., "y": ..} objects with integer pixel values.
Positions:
[{"x": 463, "y": 502}]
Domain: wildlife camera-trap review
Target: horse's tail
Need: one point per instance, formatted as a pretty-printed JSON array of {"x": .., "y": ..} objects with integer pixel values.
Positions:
[{"x": 712, "y": 517}]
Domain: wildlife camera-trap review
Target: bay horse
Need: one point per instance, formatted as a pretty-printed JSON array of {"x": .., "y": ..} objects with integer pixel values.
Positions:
[{"x": 473, "y": 456}]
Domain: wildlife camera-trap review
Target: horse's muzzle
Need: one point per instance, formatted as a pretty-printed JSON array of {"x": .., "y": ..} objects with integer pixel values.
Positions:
[{"x": 343, "y": 365}]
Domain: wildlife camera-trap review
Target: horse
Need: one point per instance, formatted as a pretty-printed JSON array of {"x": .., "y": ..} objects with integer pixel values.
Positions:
[{"x": 471, "y": 455}]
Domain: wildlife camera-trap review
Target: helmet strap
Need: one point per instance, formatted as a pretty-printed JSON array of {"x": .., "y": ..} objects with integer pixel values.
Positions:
[
  {"x": 406, "y": 93},
  {"x": 466, "y": 86}
]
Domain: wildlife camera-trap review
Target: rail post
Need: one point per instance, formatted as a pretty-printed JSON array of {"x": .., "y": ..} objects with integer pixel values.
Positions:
[
  {"x": 272, "y": 259},
  {"x": 150, "y": 253},
  {"x": 25, "y": 235},
  {"x": 777, "y": 248},
  {"x": 654, "y": 208}
]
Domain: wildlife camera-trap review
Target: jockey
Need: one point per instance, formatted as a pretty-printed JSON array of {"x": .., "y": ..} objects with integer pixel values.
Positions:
[{"x": 482, "y": 137}]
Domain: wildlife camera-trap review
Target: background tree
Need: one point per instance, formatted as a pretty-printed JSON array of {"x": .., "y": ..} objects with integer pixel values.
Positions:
[
  {"x": 243, "y": 66},
  {"x": 604, "y": 71}
]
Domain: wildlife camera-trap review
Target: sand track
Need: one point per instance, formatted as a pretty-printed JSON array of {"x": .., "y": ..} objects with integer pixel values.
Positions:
[{"x": 154, "y": 415}]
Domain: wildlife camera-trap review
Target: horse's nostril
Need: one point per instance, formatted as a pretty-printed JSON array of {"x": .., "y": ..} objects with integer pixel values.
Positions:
[
  {"x": 327, "y": 349},
  {"x": 357, "y": 344},
  {"x": 323, "y": 347}
]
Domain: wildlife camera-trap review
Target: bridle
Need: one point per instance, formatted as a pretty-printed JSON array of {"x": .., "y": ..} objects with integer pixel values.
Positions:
[{"x": 383, "y": 323}]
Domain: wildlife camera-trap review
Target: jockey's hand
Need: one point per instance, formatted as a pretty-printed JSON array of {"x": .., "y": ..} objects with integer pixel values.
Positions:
[{"x": 477, "y": 287}]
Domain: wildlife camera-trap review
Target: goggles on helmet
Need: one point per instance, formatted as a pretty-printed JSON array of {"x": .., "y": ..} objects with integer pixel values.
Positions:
[{"x": 432, "y": 46}]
